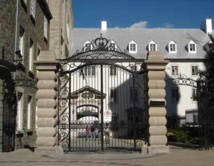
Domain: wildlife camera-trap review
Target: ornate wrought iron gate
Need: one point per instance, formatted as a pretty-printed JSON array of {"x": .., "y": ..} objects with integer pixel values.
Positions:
[
  {"x": 101, "y": 100},
  {"x": 9, "y": 113}
]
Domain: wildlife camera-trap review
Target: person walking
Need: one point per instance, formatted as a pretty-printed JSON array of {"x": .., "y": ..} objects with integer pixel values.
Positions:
[
  {"x": 93, "y": 136},
  {"x": 87, "y": 132}
]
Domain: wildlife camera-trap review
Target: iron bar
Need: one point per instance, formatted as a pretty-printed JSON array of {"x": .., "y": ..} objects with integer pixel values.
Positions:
[
  {"x": 101, "y": 85},
  {"x": 69, "y": 107},
  {"x": 133, "y": 109}
]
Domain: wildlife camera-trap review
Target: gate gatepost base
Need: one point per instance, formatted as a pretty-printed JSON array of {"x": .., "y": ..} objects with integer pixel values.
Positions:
[
  {"x": 49, "y": 151},
  {"x": 158, "y": 149}
]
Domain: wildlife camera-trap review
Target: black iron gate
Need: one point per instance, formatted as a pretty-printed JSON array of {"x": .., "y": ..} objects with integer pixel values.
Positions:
[
  {"x": 205, "y": 98},
  {"x": 9, "y": 112},
  {"x": 101, "y": 100}
]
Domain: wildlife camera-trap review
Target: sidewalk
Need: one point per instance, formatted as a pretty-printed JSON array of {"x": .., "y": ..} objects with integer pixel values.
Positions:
[{"x": 176, "y": 157}]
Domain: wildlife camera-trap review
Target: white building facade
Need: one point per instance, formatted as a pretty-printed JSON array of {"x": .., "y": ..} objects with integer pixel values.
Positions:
[{"x": 185, "y": 49}]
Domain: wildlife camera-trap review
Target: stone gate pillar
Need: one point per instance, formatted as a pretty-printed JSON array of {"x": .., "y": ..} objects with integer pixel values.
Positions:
[
  {"x": 46, "y": 121},
  {"x": 155, "y": 65}
]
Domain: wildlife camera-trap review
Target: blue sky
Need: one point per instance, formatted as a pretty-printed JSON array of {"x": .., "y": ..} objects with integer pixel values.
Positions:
[{"x": 142, "y": 13}]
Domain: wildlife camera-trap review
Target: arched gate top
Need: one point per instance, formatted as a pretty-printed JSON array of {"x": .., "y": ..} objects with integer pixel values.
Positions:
[{"x": 101, "y": 51}]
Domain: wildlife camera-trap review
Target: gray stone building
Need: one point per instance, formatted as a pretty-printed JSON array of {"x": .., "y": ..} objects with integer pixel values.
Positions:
[{"x": 24, "y": 34}]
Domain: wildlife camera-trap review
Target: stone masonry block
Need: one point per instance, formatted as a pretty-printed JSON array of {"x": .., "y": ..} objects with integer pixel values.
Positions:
[
  {"x": 46, "y": 103},
  {"x": 46, "y": 122},
  {"x": 46, "y": 76},
  {"x": 46, "y": 141},
  {"x": 156, "y": 84},
  {"x": 46, "y": 94},
  {"x": 157, "y": 130},
  {"x": 157, "y": 93},
  {"x": 157, "y": 121},
  {"x": 46, "y": 84},
  {"x": 46, "y": 112},
  {"x": 157, "y": 111},
  {"x": 156, "y": 75},
  {"x": 157, "y": 140},
  {"x": 46, "y": 131}
]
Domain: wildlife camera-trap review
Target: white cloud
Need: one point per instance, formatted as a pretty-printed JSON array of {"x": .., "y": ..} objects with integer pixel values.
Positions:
[
  {"x": 141, "y": 24},
  {"x": 168, "y": 25}
]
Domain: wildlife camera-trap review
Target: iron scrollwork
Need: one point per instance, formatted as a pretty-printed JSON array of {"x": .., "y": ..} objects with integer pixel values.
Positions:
[
  {"x": 101, "y": 50},
  {"x": 181, "y": 79}
]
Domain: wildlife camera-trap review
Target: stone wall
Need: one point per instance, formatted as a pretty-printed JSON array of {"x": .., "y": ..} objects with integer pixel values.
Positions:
[
  {"x": 7, "y": 28},
  {"x": 60, "y": 27},
  {"x": 34, "y": 31}
]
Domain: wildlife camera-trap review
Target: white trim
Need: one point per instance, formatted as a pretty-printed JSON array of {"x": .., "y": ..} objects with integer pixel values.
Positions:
[
  {"x": 193, "y": 74},
  {"x": 152, "y": 43},
  {"x": 31, "y": 55},
  {"x": 132, "y": 47},
  {"x": 111, "y": 48},
  {"x": 20, "y": 112},
  {"x": 45, "y": 27},
  {"x": 22, "y": 41},
  {"x": 86, "y": 47},
  {"x": 172, "y": 49},
  {"x": 174, "y": 71},
  {"x": 192, "y": 47},
  {"x": 29, "y": 111}
]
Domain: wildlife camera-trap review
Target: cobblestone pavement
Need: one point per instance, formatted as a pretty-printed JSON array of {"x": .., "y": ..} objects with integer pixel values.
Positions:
[{"x": 176, "y": 157}]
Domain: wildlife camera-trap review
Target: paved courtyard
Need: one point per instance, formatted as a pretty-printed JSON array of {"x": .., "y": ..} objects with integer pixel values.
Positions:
[{"x": 176, "y": 157}]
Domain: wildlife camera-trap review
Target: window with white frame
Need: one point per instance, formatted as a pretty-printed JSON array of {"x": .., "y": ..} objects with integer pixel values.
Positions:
[
  {"x": 20, "y": 111},
  {"x": 87, "y": 46},
  {"x": 132, "y": 47},
  {"x": 172, "y": 47},
  {"x": 31, "y": 55},
  {"x": 194, "y": 70},
  {"x": 88, "y": 71},
  {"x": 134, "y": 94},
  {"x": 152, "y": 46},
  {"x": 33, "y": 8},
  {"x": 113, "y": 71},
  {"x": 112, "y": 46},
  {"x": 29, "y": 112},
  {"x": 174, "y": 70},
  {"x": 22, "y": 41},
  {"x": 191, "y": 47},
  {"x": 113, "y": 95},
  {"x": 174, "y": 95},
  {"x": 45, "y": 27},
  {"x": 194, "y": 94}
]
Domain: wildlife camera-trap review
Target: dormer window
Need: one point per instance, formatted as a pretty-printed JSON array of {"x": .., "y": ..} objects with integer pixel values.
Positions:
[
  {"x": 112, "y": 46},
  {"x": 152, "y": 46},
  {"x": 172, "y": 47},
  {"x": 191, "y": 47},
  {"x": 132, "y": 47},
  {"x": 87, "y": 46}
]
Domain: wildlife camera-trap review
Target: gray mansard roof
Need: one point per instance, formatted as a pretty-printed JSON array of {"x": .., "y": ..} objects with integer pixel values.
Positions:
[{"x": 123, "y": 36}]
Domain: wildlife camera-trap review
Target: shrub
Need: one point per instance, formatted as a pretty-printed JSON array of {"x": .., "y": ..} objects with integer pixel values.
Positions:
[{"x": 183, "y": 134}]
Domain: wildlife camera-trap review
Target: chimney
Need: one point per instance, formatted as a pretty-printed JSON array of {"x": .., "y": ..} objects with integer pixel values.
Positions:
[
  {"x": 103, "y": 25},
  {"x": 206, "y": 26}
]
